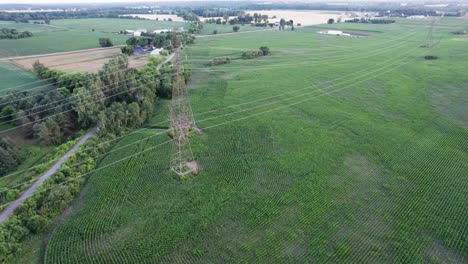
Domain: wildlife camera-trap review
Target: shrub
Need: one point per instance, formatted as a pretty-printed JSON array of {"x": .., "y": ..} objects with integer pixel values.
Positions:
[
  {"x": 235, "y": 28},
  {"x": 105, "y": 42},
  {"x": 265, "y": 50},
  {"x": 430, "y": 57},
  {"x": 219, "y": 61},
  {"x": 127, "y": 50}
]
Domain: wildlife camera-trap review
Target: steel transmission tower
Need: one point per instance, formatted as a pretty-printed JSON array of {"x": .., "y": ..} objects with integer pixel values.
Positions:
[
  {"x": 182, "y": 121},
  {"x": 430, "y": 38}
]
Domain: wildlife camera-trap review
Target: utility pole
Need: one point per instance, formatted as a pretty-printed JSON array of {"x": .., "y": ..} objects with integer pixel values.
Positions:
[{"x": 182, "y": 120}]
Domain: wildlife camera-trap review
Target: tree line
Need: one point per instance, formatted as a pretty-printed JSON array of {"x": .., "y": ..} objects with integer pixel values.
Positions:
[
  {"x": 6, "y": 33},
  {"x": 81, "y": 99},
  {"x": 242, "y": 18},
  {"x": 114, "y": 12},
  {"x": 371, "y": 21},
  {"x": 163, "y": 40},
  {"x": 116, "y": 100},
  {"x": 211, "y": 12}
]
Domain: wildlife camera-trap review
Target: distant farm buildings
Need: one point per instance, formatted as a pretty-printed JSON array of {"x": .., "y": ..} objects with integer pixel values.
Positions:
[
  {"x": 416, "y": 17},
  {"x": 139, "y": 32},
  {"x": 135, "y": 33},
  {"x": 160, "y": 31},
  {"x": 334, "y": 33}
]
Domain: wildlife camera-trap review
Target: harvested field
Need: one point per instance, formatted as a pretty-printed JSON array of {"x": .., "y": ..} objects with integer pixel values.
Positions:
[{"x": 89, "y": 61}]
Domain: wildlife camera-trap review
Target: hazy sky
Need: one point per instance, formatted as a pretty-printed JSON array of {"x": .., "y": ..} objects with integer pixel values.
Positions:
[{"x": 75, "y": 1}]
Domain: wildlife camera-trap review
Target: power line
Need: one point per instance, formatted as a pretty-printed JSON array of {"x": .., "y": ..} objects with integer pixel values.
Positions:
[
  {"x": 257, "y": 68},
  {"x": 209, "y": 127},
  {"x": 261, "y": 99}
]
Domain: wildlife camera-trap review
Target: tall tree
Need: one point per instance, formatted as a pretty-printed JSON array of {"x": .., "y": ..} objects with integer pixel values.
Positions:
[
  {"x": 282, "y": 23},
  {"x": 87, "y": 102}
]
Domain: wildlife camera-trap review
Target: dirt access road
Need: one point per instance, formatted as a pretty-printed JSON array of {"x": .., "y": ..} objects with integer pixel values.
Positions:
[{"x": 30, "y": 191}]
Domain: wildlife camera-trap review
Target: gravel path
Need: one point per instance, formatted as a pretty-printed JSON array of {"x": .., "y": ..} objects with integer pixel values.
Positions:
[
  {"x": 12, "y": 206},
  {"x": 165, "y": 61}
]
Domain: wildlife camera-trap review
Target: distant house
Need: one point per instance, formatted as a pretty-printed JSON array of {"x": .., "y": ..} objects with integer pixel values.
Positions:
[
  {"x": 156, "y": 52},
  {"x": 416, "y": 17},
  {"x": 138, "y": 32}
]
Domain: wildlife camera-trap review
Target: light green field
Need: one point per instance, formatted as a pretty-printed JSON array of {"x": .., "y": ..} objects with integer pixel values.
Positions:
[
  {"x": 222, "y": 29},
  {"x": 111, "y": 25},
  {"x": 15, "y": 79},
  {"x": 73, "y": 34},
  {"x": 330, "y": 150},
  {"x": 26, "y": 26}
]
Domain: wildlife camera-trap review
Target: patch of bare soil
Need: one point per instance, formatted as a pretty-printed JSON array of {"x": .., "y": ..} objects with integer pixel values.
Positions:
[
  {"x": 437, "y": 252},
  {"x": 86, "y": 61},
  {"x": 194, "y": 166}
]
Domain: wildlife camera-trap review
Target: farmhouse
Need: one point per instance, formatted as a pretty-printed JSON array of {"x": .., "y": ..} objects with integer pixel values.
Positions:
[{"x": 135, "y": 33}]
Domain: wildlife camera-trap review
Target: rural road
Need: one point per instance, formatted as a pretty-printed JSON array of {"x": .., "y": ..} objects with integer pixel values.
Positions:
[{"x": 12, "y": 206}]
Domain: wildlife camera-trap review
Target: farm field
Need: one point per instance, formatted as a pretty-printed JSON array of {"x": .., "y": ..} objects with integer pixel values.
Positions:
[
  {"x": 306, "y": 18},
  {"x": 89, "y": 61},
  {"x": 14, "y": 79},
  {"x": 331, "y": 149},
  {"x": 73, "y": 34},
  {"x": 223, "y": 29},
  {"x": 113, "y": 25}
]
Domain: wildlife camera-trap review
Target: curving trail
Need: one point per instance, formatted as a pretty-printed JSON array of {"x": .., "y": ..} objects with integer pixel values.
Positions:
[{"x": 12, "y": 206}]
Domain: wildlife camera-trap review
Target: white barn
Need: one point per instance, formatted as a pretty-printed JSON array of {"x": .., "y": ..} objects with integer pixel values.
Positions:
[{"x": 335, "y": 32}]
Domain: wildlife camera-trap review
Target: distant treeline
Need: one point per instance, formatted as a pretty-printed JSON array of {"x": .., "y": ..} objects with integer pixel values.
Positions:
[
  {"x": 371, "y": 21},
  {"x": 7, "y": 33},
  {"x": 216, "y": 12},
  {"x": 25, "y": 17},
  {"x": 243, "y": 18},
  {"x": 116, "y": 100},
  {"x": 82, "y": 100}
]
